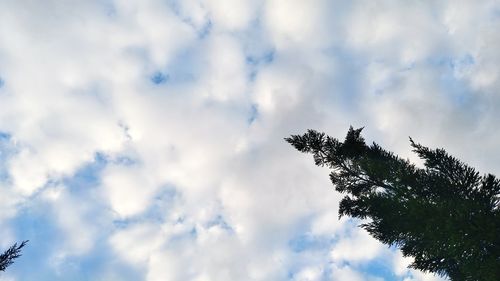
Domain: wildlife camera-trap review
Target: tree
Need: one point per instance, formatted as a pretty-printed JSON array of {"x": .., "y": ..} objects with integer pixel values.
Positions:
[
  {"x": 445, "y": 215},
  {"x": 8, "y": 257}
]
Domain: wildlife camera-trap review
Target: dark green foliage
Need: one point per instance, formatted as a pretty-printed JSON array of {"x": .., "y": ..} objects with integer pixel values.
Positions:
[
  {"x": 445, "y": 215},
  {"x": 8, "y": 257}
]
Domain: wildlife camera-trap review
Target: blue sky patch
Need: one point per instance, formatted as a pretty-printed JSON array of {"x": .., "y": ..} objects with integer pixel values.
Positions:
[
  {"x": 452, "y": 62},
  {"x": 452, "y": 83},
  {"x": 205, "y": 30},
  {"x": 264, "y": 58},
  {"x": 254, "y": 113},
  {"x": 89, "y": 175},
  {"x": 220, "y": 222},
  {"x": 43, "y": 236},
  {"x": 45, "y": 240},
  {"x": 159, "y": 78},
  {"x": 379, "y": 267},
  {"x": 7, "y": 148},
  {"x": 309, "y": 242},
  {"x": 255, "y": 62},
  {"x": 185, "y": 67},
  {"x": 4, "y": 136}
]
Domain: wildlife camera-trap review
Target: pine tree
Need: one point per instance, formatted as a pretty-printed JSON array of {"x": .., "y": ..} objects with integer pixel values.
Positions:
[
  {"x": 445, "y": 215},
  {"x": 8, "y": 257}
]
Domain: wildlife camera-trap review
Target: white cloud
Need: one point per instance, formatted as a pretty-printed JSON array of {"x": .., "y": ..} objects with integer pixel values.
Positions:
[
  {"x": 306, "y": 25},
  {"x": 137, "y": 243},
  {"x": 128, "y": 190},
  {"x": 232, "y": 15},
  {"x": 356, "y": 247},
  {"x": 346, "y": 273},
  {"x": 309, "y": 274},
  {"x": 224, "y": 74}
]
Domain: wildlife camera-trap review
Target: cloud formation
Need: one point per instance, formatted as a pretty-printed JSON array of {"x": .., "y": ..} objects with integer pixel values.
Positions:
[{"x": 143, "y": 140}]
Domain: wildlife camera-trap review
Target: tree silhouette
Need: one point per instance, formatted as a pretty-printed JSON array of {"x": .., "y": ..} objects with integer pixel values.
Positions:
[
  {"x": 8, "y": 257},
  {"x": 445, "y": 215}
]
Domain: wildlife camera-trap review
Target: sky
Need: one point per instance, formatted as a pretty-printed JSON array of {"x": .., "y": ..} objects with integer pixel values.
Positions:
[{"x": 144, "y": 140}]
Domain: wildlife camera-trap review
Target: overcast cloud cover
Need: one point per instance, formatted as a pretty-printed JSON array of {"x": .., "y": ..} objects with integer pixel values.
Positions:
[{"x": 143, "y": 140}]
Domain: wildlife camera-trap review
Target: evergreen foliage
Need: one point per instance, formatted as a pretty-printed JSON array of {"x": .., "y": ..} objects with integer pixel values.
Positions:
[
  {"x": 445, "y": 215},
  {"x": 8, "y": 257}
]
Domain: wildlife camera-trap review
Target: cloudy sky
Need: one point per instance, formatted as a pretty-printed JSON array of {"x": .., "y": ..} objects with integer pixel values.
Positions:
[{"x": 143, "y": 140}]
